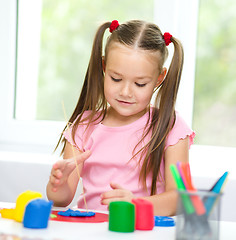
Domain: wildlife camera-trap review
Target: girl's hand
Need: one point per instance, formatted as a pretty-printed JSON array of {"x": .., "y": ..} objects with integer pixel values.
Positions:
[
  {"x": 117, "y": 194},
  {"x": 62, "y": 169}
]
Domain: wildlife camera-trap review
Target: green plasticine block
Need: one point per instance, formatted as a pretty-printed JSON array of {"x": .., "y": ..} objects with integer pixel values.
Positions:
[{"x": 121, "y": 216}]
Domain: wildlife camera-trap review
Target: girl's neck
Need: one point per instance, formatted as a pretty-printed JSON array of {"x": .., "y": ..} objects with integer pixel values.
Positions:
[{"x": 112, "y": 119}]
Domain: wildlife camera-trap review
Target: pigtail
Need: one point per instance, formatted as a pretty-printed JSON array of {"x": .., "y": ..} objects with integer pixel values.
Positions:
[
  {"x": 169, "y": 89},
  {"x": 166, "y": 97},
  {"x": 95, "y": 99},
  {"x": 92, "y": 94},
  {"x": 163, "y": 118},
  {"x": 167, "y": 94}
]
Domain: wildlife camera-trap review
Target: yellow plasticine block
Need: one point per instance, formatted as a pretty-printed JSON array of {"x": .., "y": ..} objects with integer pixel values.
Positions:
[
  {"x": 8, "y": 213},
  {"x": 21, "y": 202}
]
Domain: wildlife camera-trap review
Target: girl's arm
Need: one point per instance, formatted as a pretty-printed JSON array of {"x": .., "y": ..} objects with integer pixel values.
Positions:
[
  {"x": 64, "y": 179},
  {"x": 165, "y": 203}
]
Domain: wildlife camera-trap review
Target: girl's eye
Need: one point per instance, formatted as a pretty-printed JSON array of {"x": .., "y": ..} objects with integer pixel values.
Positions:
[
  {"x": 140, "y": 85},
  {"x": 116, "y": 79}
]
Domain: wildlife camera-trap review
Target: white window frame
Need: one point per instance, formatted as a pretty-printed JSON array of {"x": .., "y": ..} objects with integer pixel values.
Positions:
[
  {"x": 180, "y": 17},
  {"x": 17, "y": 134},
  {"x": 28, "y": 54}
]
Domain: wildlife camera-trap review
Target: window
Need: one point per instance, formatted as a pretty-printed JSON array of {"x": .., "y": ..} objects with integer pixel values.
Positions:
[{"x": 215, "y": 82}]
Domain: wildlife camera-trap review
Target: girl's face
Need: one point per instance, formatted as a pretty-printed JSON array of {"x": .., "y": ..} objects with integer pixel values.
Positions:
[{"x": 130, "y": 78}]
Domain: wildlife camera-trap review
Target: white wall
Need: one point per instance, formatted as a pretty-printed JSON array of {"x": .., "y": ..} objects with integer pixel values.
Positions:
[{"x": 25, "y": 171}]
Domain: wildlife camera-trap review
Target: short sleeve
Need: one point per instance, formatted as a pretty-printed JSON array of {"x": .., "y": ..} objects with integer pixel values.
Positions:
[
  {"x": 78, "y": 138},
  {"x": 180, "y": 131},
  {"x": 81, "y": 140},
  {"x": 77, "y": 142}
]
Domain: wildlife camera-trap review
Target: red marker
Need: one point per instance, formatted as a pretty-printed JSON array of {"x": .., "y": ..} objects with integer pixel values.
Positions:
[{"x": 185, "y": 174}]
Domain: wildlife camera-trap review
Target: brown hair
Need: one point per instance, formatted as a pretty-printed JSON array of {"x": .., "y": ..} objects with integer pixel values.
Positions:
[{"x": 145, "y": 36}]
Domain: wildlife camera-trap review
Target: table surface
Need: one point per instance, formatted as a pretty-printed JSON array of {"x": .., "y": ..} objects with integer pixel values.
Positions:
[{"x": 68, "y": 230}]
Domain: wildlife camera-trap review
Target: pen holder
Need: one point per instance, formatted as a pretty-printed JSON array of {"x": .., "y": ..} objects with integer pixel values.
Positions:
[{"x": 198, "y": 215}]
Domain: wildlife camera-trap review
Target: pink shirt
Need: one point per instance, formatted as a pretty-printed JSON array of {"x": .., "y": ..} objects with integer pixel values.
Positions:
[{"x": 112, "y": 149}]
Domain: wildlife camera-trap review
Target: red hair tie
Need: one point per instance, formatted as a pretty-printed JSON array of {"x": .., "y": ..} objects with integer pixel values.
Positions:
[
  {"x": 167, "y": 37},
  {"x": 114, "y": 25}
]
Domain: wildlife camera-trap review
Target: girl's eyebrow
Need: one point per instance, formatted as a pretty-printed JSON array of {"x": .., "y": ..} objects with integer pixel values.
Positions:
[
  {"x": 137, "y": 77},
  {"x": 114, "y": 72},
  {"x": 143, "y": 77}
]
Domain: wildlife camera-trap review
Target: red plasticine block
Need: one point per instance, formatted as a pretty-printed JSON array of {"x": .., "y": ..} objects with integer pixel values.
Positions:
[{"x": 144, "y": 212}]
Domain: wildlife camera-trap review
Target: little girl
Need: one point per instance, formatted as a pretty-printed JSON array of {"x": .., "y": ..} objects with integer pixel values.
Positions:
[{"x": 124, "y": 145}]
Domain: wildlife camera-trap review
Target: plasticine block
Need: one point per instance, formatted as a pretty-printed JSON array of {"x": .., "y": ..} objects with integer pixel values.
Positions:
[
  {"x": 121, "y": 216},
  {"x": 37, "y": 213},
  {"x": 22, "y": 200},
  {"x": 144, "y": 212}
]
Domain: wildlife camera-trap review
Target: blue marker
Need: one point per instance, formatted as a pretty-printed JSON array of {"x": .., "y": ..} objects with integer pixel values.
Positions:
[{"x": 209, "y": 203}]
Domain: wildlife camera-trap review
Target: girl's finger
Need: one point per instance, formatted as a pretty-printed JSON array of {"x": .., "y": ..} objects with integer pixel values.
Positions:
[
  {"x": 115, "y": 186},
  {"x": 117, "y": 193},
  {"x": 107, "y": 201},
  {"x": 57, "y": 173},
  {"x": 83, "y": 156},
  {"x": 59, "y": 165},
  {"x": 54, "y": 181}
]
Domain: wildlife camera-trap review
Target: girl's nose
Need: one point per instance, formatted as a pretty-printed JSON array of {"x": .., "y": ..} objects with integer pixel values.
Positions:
[{"x": 126, "y": 90}]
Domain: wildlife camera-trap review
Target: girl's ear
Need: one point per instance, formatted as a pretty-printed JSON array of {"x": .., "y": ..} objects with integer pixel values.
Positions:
[
  {"x": 103, "y": 64},
  {"x": 161, "y": 77}
]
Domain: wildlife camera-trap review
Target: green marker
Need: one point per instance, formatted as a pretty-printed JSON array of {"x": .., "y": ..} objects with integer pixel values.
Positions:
[{"x": 189, "y": 208}]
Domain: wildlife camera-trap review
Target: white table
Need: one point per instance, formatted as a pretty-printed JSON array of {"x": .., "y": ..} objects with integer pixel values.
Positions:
[{"x": 90, "y": 231}]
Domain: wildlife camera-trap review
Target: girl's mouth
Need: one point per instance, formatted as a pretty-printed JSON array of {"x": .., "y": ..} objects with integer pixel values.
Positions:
[{"x": 125, "y": 102}]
